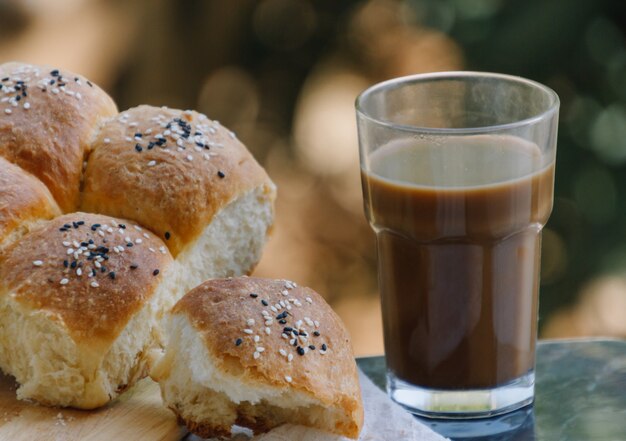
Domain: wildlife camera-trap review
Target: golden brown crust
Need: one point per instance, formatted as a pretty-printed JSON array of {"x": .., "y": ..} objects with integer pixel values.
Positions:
[
  {"x": 23, "y": 199},
  {"x": 174, "y": 188},
  {"x": 48, "y": 131},
  {"x": 222, "y": 311},
  {"x": 41, "y": 273}
]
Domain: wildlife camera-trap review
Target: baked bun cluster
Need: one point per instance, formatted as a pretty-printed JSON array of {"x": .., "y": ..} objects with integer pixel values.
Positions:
[
  {"x": 107, "y": 219},
  {"x": 204, "y": 206},
  {"x": 258, "y": 353}
]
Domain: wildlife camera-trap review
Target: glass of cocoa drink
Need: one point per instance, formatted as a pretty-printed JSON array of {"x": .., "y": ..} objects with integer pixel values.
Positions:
[{"x": 458, "y": 177}]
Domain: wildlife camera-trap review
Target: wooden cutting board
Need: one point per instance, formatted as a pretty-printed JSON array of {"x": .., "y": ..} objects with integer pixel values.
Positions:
[{"x": 138, "y": 415}]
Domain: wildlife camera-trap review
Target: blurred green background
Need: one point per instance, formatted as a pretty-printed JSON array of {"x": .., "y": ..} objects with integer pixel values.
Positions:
[{"x": 284, "y": 74}]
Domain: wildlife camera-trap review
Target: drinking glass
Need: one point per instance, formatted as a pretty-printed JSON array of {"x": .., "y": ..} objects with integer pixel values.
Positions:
[{"x": 458, "y": 174}]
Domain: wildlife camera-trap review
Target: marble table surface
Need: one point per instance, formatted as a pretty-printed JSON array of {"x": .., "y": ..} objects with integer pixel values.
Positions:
[{"x": 580, "y": 396}]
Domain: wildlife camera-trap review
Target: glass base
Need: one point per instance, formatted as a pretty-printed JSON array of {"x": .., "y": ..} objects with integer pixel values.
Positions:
[{"x": 477, "y": 403}]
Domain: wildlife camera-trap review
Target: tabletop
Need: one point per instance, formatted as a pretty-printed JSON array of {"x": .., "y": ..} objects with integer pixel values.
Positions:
[{"x": 580, "y": 395}]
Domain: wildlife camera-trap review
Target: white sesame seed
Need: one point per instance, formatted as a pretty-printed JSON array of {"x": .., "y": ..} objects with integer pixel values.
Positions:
[
  {"x": 64, "y": 281},
  {"x": 292, "y": 341},
  {"x": 269, "y": 322},
  {"x": 248, "y": 331},
  {"x": 146, "y": 235},
  {"x": 309, "y": 299},
  {"x": 289, "y": 357},
  {"x": 322, "y": 352},
  {"x": 151, "y": 163},
  {"x": 79, "y": 272},
  {"x": 260, "y": 349},
  {"x": 70, "y": 251},
  {"x": 284, "y": 292},
  {"x": 138, "y": 241},
  {"x": 107, "y": 140},
  {"x": 152, "y": 250},
  {"x": 250, "y": 322},
  {"x": 127, "y": 239},
  {"x": 8, "y": 111},
  {"x": 133, "y": 124},
  {"x": 282, "y": 303},
  {"x": 78, "y": 96},
  {"x": 38, "y": 262},
  {"x": 189, "y": 158},
  {"x": 282, "y": 352},
  {"x": 128, "y": 138},
  {"x": 289, "y": 307},
  {"x": 97, "y": 264},
  {"x": 264, "y": 312},
  {"x": 268, "y": 331},
  {"x": 316, "y": 323},
  {"x": 55, "y": 91},
  {"x": 101, "y": 233},
  {"x": 308, "y": 321},
  {"x": 26, "y": 106},
  {"x": 285, "y": 336},
  {"x": 256, "y": 354},
  {"x": 76, "y": 244},
  {"x": 298, "y": 323},
  {"x": 273, "y": 308},
  {"x": 288, "y": 379},
  {"x": 94, "y": 284},
  {"x": 137, "y": 227},
  {"x": 257, "y": 338},
  {"x": 109, "y": 230}
]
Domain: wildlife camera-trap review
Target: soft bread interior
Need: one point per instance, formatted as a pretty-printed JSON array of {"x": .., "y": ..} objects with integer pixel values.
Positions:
[
  {"x": 53, "y": 369},
  {"x": 232, "y": 243},
  {"x": 210, "y": 399}
]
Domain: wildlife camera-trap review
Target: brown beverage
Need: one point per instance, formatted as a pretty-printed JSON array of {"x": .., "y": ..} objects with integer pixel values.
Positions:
[{"x": 459, "y": 232}]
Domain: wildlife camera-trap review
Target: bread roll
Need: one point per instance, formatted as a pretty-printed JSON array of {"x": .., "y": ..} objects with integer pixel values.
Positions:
[
  {"x": 233, "y": 357},
  {"x": 189, "y": 180},
  {"x": 79, "y": 302},
  {"x": 47, "y": 120},
  {"x": 24, "y": 202}
]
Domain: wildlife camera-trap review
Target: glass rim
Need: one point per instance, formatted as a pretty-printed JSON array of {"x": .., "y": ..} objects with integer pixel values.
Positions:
[{"x": 409, "y": 79}]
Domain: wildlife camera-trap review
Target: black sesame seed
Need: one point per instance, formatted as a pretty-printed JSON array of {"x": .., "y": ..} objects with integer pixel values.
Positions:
[
  {"x": 324, "y": 347},
  {"x": 151, "y": 145},
  {"x": 287, "y": 329},
  {"x": 5, "y": 79},
  {"x": 112, "y": 275},
  {"x": 63, "y": 229},
  {"x": 52, "y": 82},
  {"x": 96, "y": 225},
  {"x": 264, "y": 302},
  {"x": 129, "y": 244},
  {"x": 300, "y": 350},
  {"x": 316, "y": 333},
  {"x": 73, "y": 265},
  {"x": 294, "y": 332},
  {"x": 221, "y": 174},
  {"x": 18, "y": 97},
  {"x": 89, "y": 83},
  {"x": 75, "y": 225},
  {"x": 103, "y": 269},
  {"x": 67, "y": 226},
  {"x": 138, "y": 135},
  {"x": 253, "y": 295},
  {"x": 282, "y": 322},
  {"x": 303, "y": 333},
  {"x": 167, "y": 235},
  {"x": 66, "y": 263},
  {"x": 122, "y": 226},
  {"x": 76, "y": 79},
  {"x": 155, "y": 272},
  {"x": 312, "y": 347},
  {"x": 54, "y": 73},
  {"x": 81, "y": 222},
  {"x": 134, "y": 266},
  {"x": 238, "y": 342},
  {"x": 138, "y": 147}
]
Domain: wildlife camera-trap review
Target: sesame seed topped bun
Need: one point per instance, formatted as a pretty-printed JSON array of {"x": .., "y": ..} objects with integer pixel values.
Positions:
[
  {"x": 259, "y": 353},
  {"x": 48, "y": 117},
  {"x": 189, "y": 180},
  {"x": 80, "y": 302}
]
